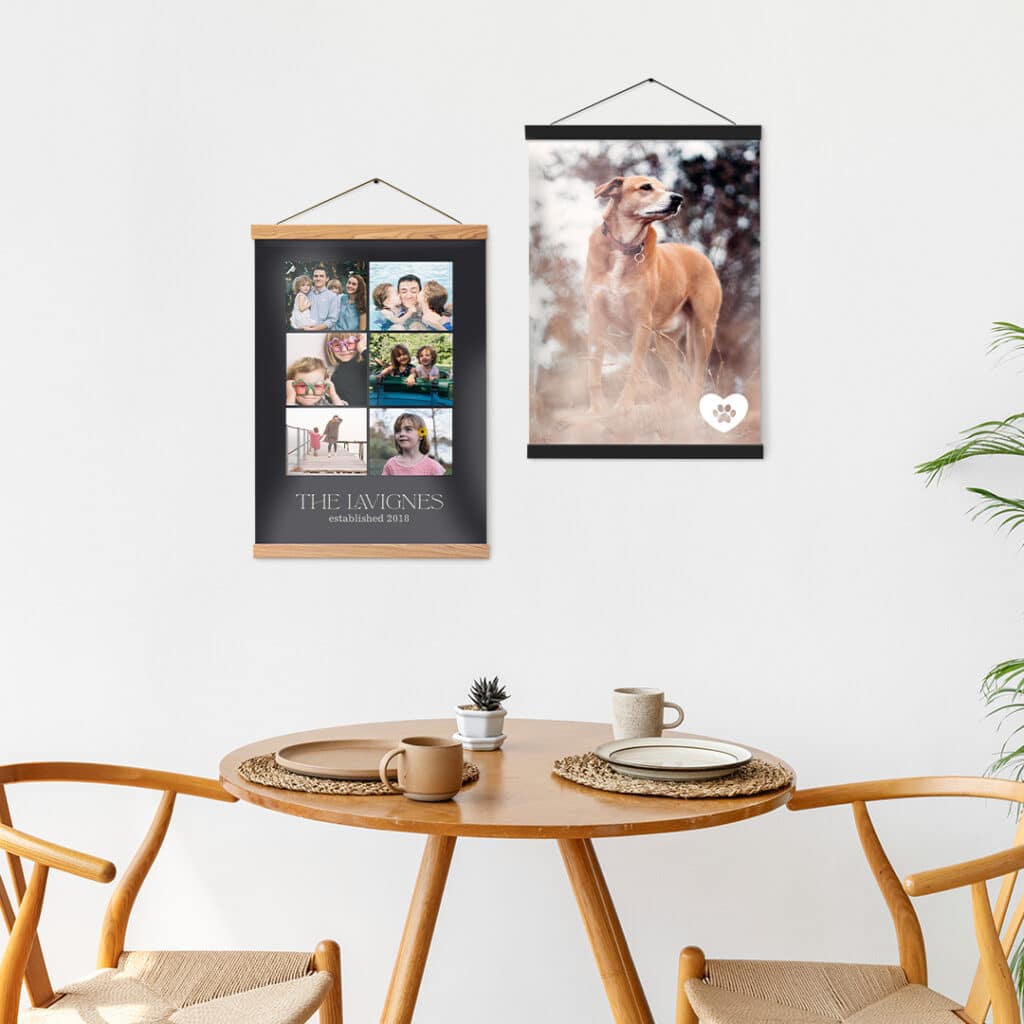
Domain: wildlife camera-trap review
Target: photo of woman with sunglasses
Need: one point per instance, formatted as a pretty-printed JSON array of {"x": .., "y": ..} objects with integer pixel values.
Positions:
[{"x": 344, "y": 354}]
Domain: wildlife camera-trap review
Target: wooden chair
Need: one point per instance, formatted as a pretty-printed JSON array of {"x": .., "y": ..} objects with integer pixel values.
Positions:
[
  {"x": 760, "y": 991},
  {"x": 142, "y": 987}
]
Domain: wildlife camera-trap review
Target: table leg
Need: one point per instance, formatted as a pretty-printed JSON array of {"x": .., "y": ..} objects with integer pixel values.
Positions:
[
  {"x": 621, "y": 984},
  {"x": 419, "y": 929}
]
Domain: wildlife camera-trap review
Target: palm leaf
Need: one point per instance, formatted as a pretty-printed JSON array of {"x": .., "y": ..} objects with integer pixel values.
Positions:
[
  {"x": 1017, "y": 966},
  {"x": 1003, "y": 686},
  {"x": 1005, "y": 674},
  {"x": 993, "y": 437},
  {"x": 1008, "y": 336},
  {"x": 1002, "y": 689},
  {"x": 1006, "y": 513}
]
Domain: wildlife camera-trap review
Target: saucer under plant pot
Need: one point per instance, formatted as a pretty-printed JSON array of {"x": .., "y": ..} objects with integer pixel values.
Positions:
[{"x": 481, "y": 722}]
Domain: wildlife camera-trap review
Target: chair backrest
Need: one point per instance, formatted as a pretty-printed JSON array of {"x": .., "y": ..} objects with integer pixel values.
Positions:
[
  {"x": 23, "y": 960},
  {"x": 996, "y": 928}
]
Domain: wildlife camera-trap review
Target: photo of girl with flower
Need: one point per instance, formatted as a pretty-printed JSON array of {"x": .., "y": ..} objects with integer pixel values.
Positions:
[
  {"x": 413, "y": 458},
  {"x": 405, "y": 443}
]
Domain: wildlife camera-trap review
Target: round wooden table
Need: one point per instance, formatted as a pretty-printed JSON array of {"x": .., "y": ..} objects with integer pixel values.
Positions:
[{"x": 516, "y": 797}]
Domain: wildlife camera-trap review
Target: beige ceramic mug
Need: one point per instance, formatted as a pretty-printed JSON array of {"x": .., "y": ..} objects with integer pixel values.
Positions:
[
  {"x": 430, "y": 768},
  {"x": 640, "y": 711}
]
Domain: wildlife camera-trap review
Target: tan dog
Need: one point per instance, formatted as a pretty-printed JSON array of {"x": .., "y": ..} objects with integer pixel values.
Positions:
[{"x": 664, "y": 298}]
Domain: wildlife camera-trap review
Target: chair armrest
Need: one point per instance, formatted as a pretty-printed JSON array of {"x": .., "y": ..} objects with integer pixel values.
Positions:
[
  {"x": 41, "y": 851},
  {"x": 115, "y": 775},
  {"x": 924, "y": 883},
  {"x": 898, "y": 789}
]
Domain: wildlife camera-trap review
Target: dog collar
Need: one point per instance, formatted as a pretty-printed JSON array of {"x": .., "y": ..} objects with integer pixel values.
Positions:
[{"x": 636, "y": 251}]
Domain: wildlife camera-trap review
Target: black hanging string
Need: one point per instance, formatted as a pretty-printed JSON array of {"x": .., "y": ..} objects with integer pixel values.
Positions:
[
  {"x": 362, "y": 184},
  {"x": 636, "y": 85}
]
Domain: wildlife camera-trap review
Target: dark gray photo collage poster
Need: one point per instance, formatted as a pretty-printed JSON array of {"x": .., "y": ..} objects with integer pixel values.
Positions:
[{"x": 370, "y": 392}]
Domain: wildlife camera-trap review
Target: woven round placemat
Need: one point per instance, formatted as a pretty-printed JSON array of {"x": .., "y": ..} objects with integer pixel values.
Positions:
[
  {"x": 266, "y": 771},
  {"x": 756, "y": 777}
]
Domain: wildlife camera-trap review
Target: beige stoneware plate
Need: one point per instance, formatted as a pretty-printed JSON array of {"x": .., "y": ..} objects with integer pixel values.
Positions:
[
  {"x": 674, "y": 758},
  {"x": 351, "y": 760}
]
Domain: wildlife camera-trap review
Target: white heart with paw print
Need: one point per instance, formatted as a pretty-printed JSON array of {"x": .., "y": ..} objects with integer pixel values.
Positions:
[{"x": 723, "y": 413}]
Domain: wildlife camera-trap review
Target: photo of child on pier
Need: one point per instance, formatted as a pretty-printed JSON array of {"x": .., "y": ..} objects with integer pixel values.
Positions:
[{"x": 325, "y": 442}]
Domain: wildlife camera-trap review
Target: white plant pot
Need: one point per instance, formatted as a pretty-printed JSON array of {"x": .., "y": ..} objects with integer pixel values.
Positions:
[{"x": 480, "y": 724}]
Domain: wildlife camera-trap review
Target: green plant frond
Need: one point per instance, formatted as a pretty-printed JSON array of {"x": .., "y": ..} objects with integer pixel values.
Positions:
[
  {"x": 1007, "y": 513},
  {"x": 1007, "y": 675},
  {"x": 1017, "y": 966},
  {"x": 1009, "y": 753},
  {"x": 1009, "y": 741},
  {"x": 1008, "y": 710},
  {"x": 1002, "y": 690},
  {"x": 993, "y": 437},
  {"x": 1008, "y": 336},
  {"x": 999, "y": 765}
]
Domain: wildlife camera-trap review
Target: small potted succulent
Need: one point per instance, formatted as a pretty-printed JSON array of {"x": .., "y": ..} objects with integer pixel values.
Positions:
[{"x": 481, "y": 721}]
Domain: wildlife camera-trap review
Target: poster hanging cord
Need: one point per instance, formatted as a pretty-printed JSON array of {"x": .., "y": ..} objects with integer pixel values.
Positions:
[
  {"x": 362, "y": 184},
  {"x": 636, "y": 85}
]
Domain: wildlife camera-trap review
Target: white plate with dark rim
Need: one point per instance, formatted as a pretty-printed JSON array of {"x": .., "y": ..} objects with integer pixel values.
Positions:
[{"x": 674, "y": 758}]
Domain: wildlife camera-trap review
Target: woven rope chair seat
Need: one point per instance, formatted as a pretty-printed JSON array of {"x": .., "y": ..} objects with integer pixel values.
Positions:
[
  {"x": 781, "y": 992},
  {"x": 191, "y": 988}
]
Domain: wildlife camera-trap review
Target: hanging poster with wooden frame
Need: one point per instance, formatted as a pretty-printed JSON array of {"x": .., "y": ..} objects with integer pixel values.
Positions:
[
  {"x": 364, "y": 447},
  {"x": 645, "y": 291}
]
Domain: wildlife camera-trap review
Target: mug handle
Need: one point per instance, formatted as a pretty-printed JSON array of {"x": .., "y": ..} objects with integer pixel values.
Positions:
[
  {"x": 385, "y": 761},
  {"x": 679, "y": 720}
]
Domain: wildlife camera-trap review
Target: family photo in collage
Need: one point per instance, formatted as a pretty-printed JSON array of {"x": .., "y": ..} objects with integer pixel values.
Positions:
[
  {"x": 411, "y": 296},
  {"x": 328, "y": 297},
  {"x": 338, "y": 375}
]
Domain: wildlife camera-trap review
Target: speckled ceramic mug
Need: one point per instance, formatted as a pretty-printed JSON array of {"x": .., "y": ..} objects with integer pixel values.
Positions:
[{"x": 640, "y": 711}]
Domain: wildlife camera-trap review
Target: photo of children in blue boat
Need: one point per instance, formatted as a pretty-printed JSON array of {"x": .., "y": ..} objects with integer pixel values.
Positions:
[
  {"x": 323, "y": 295},
  {"x": 410, "y": 442},
  {"x": 402, "y": 373},
  {"x": 411, "y": 296}
]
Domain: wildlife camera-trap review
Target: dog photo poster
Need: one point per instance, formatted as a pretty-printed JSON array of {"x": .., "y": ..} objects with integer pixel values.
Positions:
[{"x": 645, "y": 292}]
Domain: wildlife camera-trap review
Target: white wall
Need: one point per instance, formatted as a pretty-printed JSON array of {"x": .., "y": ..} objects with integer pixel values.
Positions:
[{"x": 821, "y": 604}]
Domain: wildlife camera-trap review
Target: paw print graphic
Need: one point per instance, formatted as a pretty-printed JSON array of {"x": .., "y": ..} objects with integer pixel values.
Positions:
[{"x": 723, "y": 414}]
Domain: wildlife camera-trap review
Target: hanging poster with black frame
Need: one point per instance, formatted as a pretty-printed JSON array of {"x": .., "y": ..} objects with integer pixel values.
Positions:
[
  {"x": 645, "y": 292},
  {"x": 363, "y": 446}
]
